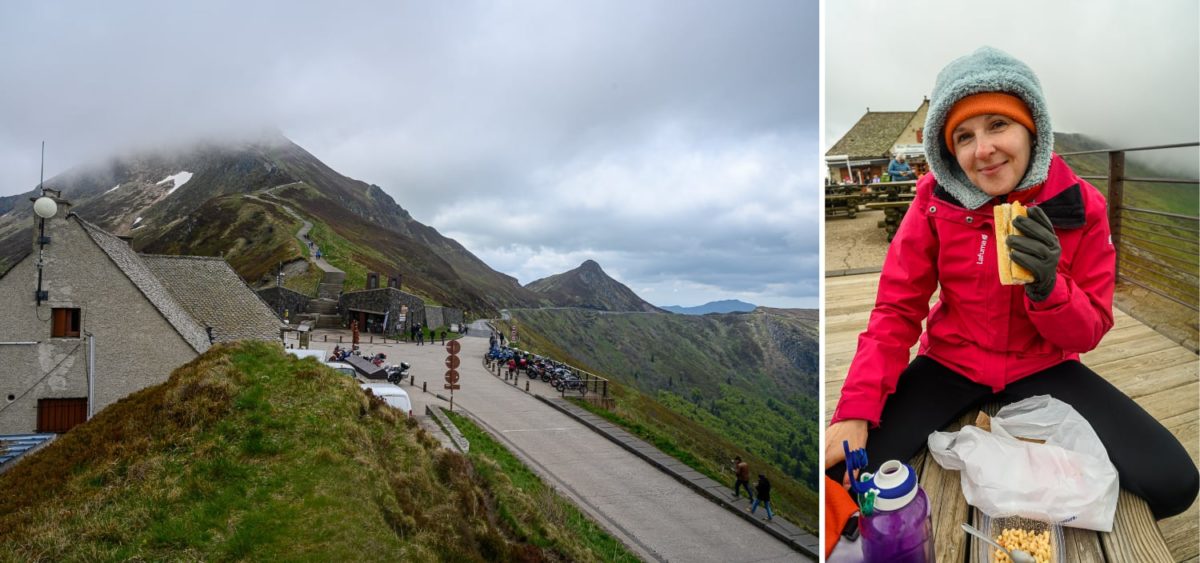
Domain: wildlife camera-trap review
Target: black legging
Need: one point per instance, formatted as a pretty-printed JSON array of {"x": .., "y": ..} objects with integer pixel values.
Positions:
[{"x": 1151, "y": 463}]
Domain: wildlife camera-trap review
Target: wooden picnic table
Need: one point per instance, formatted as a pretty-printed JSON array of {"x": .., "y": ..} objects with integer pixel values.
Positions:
[
  {"x": 838, "y": 205},
  {"x": 1160, "y": 375},
  {"x": 893, "y": 212}
]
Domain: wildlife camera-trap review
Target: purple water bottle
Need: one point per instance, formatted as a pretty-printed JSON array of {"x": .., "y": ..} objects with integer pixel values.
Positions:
[{"x": 896, "y": 523}]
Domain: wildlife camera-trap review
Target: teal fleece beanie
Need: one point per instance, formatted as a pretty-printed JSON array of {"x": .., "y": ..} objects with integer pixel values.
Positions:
[{"x": 986, "y": 70}]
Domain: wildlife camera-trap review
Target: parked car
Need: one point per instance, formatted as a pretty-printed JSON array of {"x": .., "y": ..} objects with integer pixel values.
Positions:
[
  {"x": 391, "y": 394},
  {"x": 342, "y": 368}
]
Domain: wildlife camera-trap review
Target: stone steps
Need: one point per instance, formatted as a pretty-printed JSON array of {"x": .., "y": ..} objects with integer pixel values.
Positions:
[
  {"x": 323, "y": 306},
  {"x": 329, "y": 291},
  {"x": 319, "y": 320}
]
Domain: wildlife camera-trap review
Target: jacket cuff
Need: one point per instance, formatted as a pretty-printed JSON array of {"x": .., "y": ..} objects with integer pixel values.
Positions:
[
  {"x": 1060, "y": 295},
  {"x": 847, "y": 410}
]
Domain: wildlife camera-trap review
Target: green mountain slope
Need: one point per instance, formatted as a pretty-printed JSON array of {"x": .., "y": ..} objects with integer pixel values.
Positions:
[
  {"x": 250, "y": 454},
  {"x": 714, "y": 385}
]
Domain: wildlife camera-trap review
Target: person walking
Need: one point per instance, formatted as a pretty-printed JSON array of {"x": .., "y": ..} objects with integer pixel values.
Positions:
[
  {"x": 741, "y": 474},
  {"x": 762, "y": 493}
]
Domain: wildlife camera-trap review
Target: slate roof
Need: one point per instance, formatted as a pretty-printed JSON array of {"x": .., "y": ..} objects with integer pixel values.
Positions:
[
  {"x": 873, "y": 135},
  {"x": 216, "y": 296},
  {"x": 136, "y": 270}
]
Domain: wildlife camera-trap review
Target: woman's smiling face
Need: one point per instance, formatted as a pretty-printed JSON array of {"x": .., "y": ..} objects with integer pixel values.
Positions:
[{"x": 994, "y": 152}]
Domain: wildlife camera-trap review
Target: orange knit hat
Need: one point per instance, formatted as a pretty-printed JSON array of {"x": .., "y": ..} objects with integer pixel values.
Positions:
[{"x": 987, "y": 103}]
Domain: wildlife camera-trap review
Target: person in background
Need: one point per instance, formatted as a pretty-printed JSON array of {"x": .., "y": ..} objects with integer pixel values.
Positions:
[
  {"x": 899, "y": 170},
  {"x": 741, "y": 476},
  {"x": 762, "y": 495}
]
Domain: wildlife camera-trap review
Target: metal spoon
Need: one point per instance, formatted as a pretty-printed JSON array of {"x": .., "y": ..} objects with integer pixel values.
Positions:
[{"x": 1017, "y": 555}]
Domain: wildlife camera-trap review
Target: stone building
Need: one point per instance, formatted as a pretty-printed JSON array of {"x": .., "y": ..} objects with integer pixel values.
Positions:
[
  {"x": 372, "y": 307},
  {"x": 109, "y": 322},
  {"x": 376, "y": 305},
  {"x": 867, "y": 148}
]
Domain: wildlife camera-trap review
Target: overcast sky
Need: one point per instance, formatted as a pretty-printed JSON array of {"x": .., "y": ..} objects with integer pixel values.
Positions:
[
  {"x": 674, "y": 143},
  {"x": 1124, "y": 71}
]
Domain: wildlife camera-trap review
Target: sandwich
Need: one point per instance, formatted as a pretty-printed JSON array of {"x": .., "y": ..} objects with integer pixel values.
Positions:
[{"x": 1011, "y": 273}]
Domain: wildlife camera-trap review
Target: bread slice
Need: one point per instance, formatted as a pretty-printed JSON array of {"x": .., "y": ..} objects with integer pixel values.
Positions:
[{"x": 1011, "y": 273}]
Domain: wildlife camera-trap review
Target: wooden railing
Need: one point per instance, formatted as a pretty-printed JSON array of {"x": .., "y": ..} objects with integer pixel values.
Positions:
[{"x": 1157, "y": 250}]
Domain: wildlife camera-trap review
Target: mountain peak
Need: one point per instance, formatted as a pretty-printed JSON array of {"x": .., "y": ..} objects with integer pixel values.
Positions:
[{"x": 589, "y": 287}]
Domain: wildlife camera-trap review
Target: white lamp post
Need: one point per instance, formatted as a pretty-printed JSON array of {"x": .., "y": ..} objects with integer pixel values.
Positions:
[{"x": 44, "y": 208}]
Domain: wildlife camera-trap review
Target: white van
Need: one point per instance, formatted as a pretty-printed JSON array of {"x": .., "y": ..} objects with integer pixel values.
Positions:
[{"x": 391, "y": 394}]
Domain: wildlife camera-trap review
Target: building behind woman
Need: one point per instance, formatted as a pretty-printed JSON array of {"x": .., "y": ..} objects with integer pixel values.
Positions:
[{"x": 988, "y": 140}]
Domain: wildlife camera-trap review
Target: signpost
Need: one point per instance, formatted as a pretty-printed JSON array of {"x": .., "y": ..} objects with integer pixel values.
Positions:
[{"x": 452, "y": 363}]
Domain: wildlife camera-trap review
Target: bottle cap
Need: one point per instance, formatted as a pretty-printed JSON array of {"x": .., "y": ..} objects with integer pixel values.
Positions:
[{"x": 897, "y": 485}]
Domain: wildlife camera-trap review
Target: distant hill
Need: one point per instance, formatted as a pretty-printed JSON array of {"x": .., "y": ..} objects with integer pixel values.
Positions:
[
  {"x": 589, "y": 287},
  {"x": 219, "y": 198},
  {"x": 249, "y": 454},
  {"x": 723, "y": 306}
]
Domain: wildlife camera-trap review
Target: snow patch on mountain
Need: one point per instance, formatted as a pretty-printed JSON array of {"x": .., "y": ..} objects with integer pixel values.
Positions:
[{"x": 179, "y": 179}]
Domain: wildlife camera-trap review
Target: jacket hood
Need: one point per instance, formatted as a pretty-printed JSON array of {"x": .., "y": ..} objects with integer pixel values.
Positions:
[{"x": 986, "y": 70}]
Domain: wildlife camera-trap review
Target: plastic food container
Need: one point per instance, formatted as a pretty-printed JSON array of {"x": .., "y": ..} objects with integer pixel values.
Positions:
[{"x": 994, "y": 527}]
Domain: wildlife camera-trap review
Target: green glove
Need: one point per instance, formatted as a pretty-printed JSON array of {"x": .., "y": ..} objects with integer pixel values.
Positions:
[{"x": 1037, "y": 249}]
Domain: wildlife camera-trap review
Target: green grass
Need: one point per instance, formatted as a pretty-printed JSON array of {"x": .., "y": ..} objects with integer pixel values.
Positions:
[
  {"x": 504, "y": 472},
  {"x": 249, "y": 454},
  {"x": 341, "y": 253}
]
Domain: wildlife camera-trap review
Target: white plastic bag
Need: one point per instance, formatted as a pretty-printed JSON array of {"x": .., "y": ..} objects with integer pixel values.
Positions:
[{"x": 1068, "y": 480}]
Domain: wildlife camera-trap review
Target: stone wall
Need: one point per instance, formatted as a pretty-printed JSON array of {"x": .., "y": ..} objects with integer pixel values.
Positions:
[
  {"x": 442, "y": 316},
  {"x": 283, "y": 299},
  {"x": 387, "y": 300}
]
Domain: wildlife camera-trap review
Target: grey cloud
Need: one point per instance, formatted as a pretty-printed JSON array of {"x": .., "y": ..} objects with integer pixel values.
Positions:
[
  {"x": 1121, "y": 71},
  {"x": 696, "y": 124}
]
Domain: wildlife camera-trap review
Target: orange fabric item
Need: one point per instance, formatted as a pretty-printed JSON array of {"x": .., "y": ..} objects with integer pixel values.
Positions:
[
  {"x": 839, "y": 507},
  {"x": 987, "y": 103}
]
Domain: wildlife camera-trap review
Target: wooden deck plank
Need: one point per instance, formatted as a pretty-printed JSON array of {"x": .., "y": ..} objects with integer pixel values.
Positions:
[
  {"x": 1142, "y": 374},
  {"x": 1179, "y": 531},
  {"x": 1083, "y": 546},
  {"x": 1135, "y": 535},
  {"x": 1162, "y": 377},
  {"x": 947, "y": 503},
  {"x": 1170, "y": 402}
]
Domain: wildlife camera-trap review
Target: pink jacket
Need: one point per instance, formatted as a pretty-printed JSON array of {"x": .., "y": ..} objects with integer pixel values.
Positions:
[{"x": 989, "y": 333}]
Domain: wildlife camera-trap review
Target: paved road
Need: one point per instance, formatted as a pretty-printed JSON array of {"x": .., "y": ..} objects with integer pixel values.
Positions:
[{"x": 659, "y": 518}]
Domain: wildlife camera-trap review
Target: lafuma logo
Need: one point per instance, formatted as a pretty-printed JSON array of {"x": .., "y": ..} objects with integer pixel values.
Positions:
[{"x": 983, "y": 238}]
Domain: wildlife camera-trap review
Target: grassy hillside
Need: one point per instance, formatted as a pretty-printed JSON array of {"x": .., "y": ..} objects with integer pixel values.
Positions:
[
  {"x": 248, "y": 454},
  {"x": 253, "y": 236},
  {"x": 709, "y": 387}
]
